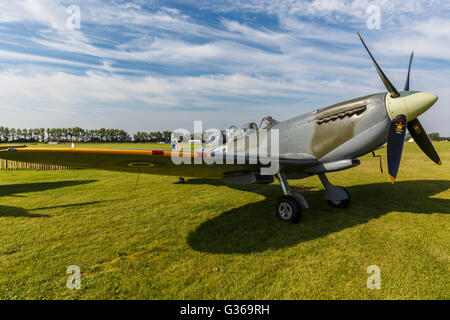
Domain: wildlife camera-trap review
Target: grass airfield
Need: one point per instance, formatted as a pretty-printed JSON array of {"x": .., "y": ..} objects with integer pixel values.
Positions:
[{"x": 205, "y": 240}]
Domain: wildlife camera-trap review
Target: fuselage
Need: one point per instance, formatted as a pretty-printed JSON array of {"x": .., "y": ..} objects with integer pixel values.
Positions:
[{"x": 345, "y": 130}]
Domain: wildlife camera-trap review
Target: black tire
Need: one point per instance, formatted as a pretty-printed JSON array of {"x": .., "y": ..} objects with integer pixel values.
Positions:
[
  {"x": 288, "y": 209},
  {"x": 181, "y": 180},
  {"x": 341, "y": 204}
]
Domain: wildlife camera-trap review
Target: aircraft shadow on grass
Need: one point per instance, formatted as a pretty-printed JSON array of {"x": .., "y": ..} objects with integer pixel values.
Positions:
[
  {"x": 255, "y": 228},
  {"x": 15, "y": 190}
]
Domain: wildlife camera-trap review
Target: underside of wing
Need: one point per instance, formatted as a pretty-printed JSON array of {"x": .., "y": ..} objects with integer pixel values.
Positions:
[{"x": 161, "y": 162}]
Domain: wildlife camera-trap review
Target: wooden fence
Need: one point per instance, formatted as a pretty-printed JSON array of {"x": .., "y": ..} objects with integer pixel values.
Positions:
[{"x": 16, "y": 165}]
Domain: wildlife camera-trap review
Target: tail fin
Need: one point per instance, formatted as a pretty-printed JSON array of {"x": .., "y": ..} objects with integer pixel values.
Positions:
[{"x": 176, "y": 145}]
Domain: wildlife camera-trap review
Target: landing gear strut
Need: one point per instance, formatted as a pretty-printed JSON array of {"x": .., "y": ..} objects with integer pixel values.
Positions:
[
  {"x": 337, "y": 197},
  {"x": 291, "y": 205}
]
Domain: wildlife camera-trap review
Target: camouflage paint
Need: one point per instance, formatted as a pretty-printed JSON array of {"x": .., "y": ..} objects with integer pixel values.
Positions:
[{"x": 336, "y": 124}]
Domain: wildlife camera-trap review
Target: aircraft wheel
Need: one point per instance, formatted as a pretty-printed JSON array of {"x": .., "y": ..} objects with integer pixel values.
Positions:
[
  {"x": 181, "y": 180},
  {"x": 288, "y": 209},
  {"x": 341, "y": 204}
]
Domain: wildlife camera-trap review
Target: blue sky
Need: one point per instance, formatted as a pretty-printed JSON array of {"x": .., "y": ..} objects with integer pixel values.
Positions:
[{"x": 152, "y": 65}]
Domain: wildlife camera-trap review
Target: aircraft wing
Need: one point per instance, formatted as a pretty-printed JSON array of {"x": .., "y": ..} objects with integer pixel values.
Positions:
[{"x": 148, "y": 161}]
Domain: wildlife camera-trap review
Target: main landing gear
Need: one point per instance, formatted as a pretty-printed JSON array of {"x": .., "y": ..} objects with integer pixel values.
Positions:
[
  {"x": 290, "y": 206},
  {"x": 337, "y": 197}
]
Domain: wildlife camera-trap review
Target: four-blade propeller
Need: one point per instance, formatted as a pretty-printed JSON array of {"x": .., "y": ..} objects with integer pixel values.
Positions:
[{"x": 397, "y": 132}]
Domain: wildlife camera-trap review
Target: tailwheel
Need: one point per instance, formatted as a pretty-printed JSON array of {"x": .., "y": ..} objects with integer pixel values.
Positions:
[
  {"x": 341, "y": 204},
  {"x": 288, "y": 209}
]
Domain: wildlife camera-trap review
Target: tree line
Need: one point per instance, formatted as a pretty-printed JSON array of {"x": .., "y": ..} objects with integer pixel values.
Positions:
[
  {"x": 155, "y": 136},
  {"x": 434, "y": 136},
  {"x": 78, "y": 134}
]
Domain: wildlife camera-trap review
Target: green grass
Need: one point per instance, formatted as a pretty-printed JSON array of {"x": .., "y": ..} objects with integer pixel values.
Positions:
[{"x": 204, "y": 240}]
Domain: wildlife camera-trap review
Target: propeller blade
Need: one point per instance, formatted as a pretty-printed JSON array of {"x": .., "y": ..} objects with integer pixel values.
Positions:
[
  {"x": 423, "y": 141},
  {"x": 395, "y": 142},
  {"x": 389, "y": 86},
  {"x": 409, "y": 71}
]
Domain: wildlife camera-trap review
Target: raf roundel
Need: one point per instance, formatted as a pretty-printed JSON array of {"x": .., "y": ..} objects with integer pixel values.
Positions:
[{"x": 140, "y": 164}]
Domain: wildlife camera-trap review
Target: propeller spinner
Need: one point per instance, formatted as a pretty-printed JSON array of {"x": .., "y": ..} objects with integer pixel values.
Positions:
[{"x": 403, "y": 109}]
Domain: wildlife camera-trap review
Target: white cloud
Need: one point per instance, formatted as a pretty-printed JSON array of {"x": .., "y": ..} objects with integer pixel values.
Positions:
[
  {"x": 38, "y": 58},
  {"x": 312, "y": 59},
  {"x": 72, "y": 99}
]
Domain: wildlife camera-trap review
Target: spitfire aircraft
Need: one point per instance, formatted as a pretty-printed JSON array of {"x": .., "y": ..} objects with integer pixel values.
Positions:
[{"x": 325, "y": 140}]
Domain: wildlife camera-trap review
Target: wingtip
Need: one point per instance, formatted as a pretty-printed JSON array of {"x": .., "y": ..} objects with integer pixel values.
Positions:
[
  {"x": 439, "y": 163},
  {"x": 392, "y": 179},
  {"x": 358, "y": 34}
]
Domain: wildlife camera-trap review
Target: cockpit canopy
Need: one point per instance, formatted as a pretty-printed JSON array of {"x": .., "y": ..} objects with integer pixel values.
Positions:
[
  {"x": 217, "y": 137},
  {"x": 266, "y": 122},
  {"x": 220, "y": 138},
  {"x": 247, "y": 126}
]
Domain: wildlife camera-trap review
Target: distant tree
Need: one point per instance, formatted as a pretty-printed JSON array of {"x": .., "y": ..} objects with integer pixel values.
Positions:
[
  {"x": 434, "y": 136},
  {"x": 12, "y": 134},
  {"x": 42, "y": 134},
  {"x": 6, "y": 134}
]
